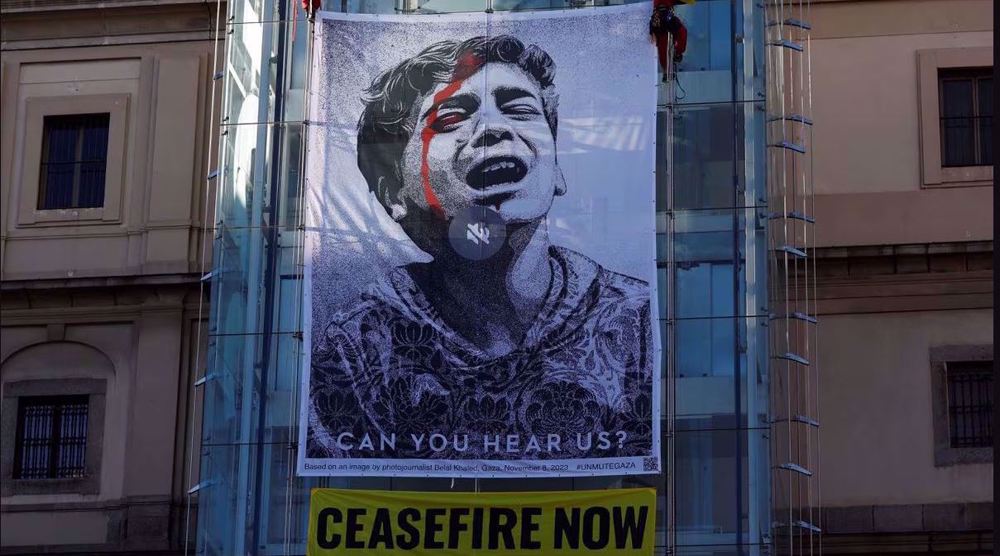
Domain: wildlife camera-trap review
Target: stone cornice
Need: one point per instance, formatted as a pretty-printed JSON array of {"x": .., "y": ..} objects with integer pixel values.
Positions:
[
  {"x": 898, "y": 278},
  {"x": 36, "y": 6},
  {"x": 80, "y": 24}
]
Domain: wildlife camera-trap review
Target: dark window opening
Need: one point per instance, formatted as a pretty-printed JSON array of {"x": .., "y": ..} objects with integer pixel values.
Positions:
[
  {"x": 966, "y": 117},
  {"x": 74, "y": 161},
  {"x": 970, "y": 404},
  {"x": 51, "y": 437}
]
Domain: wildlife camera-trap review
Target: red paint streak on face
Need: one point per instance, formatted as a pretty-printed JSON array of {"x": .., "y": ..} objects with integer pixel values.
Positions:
[{"x": 467, "y": 65}]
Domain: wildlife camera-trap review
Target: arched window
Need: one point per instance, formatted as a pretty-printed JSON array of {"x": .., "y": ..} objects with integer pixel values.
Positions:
[{"x": 52, "y": 419}]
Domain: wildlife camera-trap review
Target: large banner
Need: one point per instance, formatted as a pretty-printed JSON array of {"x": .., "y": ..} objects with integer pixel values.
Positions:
[
  {"x": 618, "y": 522},
  {"x": 480, "y": 246}
]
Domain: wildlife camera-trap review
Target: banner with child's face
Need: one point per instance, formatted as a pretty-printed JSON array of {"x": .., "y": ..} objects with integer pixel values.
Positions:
[{"x": 480, "y": 247}]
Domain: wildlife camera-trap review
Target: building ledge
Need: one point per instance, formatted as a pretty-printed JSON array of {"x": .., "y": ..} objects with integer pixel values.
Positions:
[
  {"x": 951, "y": 528},
  {"x": 908, "y": 518},
  {"x": 10, "y": 286},
  {"x": 882, "y": 260},
  {"x": 949, "y": 542},
  {"x": 36, "y": 6}
]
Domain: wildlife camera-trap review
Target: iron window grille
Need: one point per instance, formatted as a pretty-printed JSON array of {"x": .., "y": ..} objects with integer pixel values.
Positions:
[
  {"x": 74, "y": 161},
  {"x": 966, "y": 114},
  {"x": 51, "y": 437},
  {"x": 970, "y": 404}
]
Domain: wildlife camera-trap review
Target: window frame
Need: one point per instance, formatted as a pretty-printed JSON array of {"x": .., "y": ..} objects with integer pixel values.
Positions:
[
  {"x": 90, "y": 482},
  {"x": 975, "y": 75},
  {"x": 60, "y": 402},
  {"x": 77, "y": 123},
  {"x": 929, "y": 65},
  {"x": 944, "y": 454},
  {"x": 37, "y": 108},
  {"x": 954, "y": 370}
]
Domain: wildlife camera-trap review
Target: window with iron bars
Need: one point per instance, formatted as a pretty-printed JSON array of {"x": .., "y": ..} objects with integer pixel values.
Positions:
[
  {"x": 74, "y": 161},
  {"x": 970, "y": 403},
  {"x": 51, "y": 437},
  {"x": 966, "y": 117}
]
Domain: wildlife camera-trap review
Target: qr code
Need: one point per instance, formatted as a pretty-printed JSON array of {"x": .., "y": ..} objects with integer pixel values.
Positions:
[{"x": 650, "y": 464}]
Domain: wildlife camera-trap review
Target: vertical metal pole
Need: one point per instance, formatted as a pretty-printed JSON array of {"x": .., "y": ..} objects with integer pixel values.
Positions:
[
  {"x": 737, "y": 390},
  {"x": 252, "y": 324},
  {"x": 272, "y": 251}
]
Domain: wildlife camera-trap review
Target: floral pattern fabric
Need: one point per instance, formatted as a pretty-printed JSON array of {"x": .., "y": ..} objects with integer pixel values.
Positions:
[{"x": 392, "y": 366}]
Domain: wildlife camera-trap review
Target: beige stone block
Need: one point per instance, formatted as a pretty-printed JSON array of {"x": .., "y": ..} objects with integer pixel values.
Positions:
[
  {"x": 926, "y": 216},
  {"x": 852, "y": 519},
  {"x": 152, "y": 432},
  {"x": 91, "y": 70},
  {"x": 167, "y": 249},
  {"x": 911, "y": 264},
  {"x": 944, "y": 517},
  {"x": 53, "y": 528},
  {"x": 65, "y": 257},
  {"x": 876, "y": 408},
  {"x": 172, "y": 175},
  {"x": 898, "y": 518},
  {"x": 92, "y": 298},
  {"x": 947, "y": 263}
]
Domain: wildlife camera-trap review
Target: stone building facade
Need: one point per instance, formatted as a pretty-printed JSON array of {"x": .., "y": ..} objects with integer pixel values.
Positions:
[
  {"x": 101, "y": 292},
  {"x": 102, "y": 298},
  {"x": 904, "y": 272}
]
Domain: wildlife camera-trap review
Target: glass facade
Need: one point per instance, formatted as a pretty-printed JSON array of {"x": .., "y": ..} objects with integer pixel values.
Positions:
[{"x": 712, "y": 248}]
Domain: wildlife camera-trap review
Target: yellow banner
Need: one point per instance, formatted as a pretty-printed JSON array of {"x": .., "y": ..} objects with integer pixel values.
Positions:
[{"x": 620, "y": 522}]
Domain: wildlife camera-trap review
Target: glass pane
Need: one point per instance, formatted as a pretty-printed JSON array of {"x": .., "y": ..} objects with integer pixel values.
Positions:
[
  {"x": 705, "y": 347},
  {"x": 57, "y": 186},
  {"x": 95, "y": 137},
  {"x": 986, "y": 141},
  {"x": 72, "y": 440},
  {"x": 61, "y": 135},
  {"x": 705, "y": 235},
  {"x": 986, "y": 121},
  {"x": 446, "y": 6},
  {"x": 92, "y": 176},
  {"x": 704, "y": 289},
  {"x": 958, "y": 143},
  {"x": 986, "y": 96},
  {"x": 36, "y": 439},
  {"x": 720, "y": 366},
  {"x": 58, "y": 153},
  {"x": 956, "y": 98},
  {"x": 710, "y": 483},
  {"x": 724, "y": 550},
  {"x": 74, "y": 158},
  {"x": 706, "y": 72},
  {"x": 704, "y": 149}
]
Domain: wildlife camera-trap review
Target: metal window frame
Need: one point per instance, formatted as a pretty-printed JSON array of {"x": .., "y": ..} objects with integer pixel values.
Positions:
[
  {"x": 978, "y": 370},
  {"x": 940, "y": 356},
  {"x": 78, "y": 121},
  {"x": 975, "y": 75},
  {"x": 59, "y": 403},
  {"x": 90, "y": 482}
]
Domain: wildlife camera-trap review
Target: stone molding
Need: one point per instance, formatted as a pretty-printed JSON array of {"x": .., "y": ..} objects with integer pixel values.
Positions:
[
  {"x": 136, "y": 525},
  {"x": 900, "y": 278},
  {"x": 908, "y": 518},
  {"x": 958, "y": 528},
  {"x": 940, "y": 356},
  {"x": 90, "y": 483}
]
